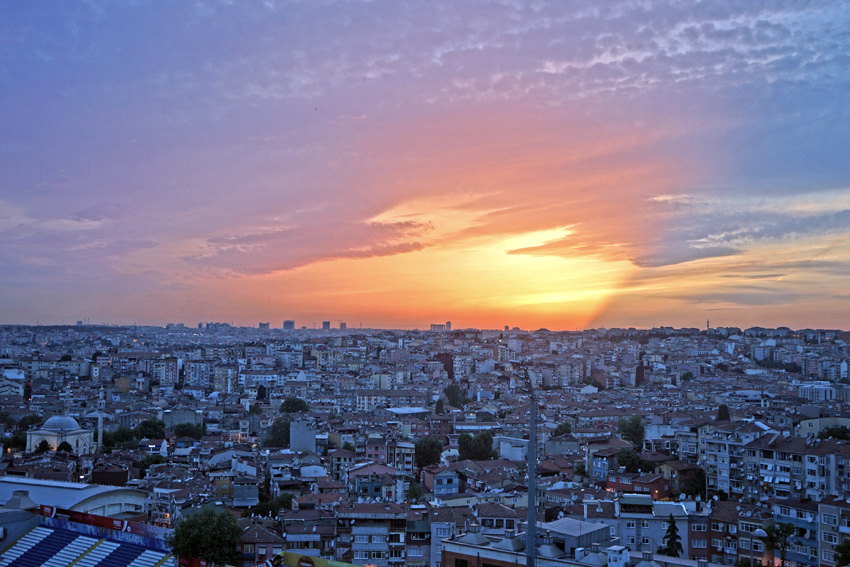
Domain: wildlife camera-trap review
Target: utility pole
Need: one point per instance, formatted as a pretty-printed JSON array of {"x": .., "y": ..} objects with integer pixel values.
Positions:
[{"x": 531, "y": 519}]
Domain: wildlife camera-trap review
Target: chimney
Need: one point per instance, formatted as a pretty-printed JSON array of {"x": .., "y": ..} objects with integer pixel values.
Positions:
[{"x": 647, "y": 556}]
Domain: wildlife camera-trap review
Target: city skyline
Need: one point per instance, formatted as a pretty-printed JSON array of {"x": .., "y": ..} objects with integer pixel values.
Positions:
[{"x": 545, "y": 164}]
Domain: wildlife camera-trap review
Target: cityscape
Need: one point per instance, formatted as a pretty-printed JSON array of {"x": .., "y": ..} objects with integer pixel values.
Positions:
[
  {"x": 392, "y": 283},
  {"x": 414, "y": 448}
]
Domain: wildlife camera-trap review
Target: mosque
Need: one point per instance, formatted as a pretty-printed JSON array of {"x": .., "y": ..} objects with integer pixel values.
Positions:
[{"x": 61, "y": 428}]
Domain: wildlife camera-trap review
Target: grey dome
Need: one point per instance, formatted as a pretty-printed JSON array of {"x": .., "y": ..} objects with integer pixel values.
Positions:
[{"x": 61, "y": 423}]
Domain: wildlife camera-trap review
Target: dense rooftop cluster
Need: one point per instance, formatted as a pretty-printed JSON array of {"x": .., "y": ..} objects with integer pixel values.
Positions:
[{"x": 411, "y": 448}]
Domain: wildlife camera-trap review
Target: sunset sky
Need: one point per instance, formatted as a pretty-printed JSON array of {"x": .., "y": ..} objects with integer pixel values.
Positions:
[{"x": 395, "y": 164}]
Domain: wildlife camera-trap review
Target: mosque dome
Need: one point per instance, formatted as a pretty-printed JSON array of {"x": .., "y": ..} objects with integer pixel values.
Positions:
[{"x": 61, "y": 423}]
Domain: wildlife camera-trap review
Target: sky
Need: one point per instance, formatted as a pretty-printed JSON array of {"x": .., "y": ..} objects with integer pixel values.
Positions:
[{"x": 392, "y": 164}]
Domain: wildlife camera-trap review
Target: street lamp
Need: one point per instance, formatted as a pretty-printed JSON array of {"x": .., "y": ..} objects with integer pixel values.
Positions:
[{"x": 757, "y": 533}]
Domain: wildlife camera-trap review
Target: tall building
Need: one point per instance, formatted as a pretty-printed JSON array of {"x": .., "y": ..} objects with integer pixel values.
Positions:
[
  {"x": 326, "y": 325},
  {"x": 342, "y": 325},
  {"x": 448, "y": 325},
  {"x": 289, "y": 325}
]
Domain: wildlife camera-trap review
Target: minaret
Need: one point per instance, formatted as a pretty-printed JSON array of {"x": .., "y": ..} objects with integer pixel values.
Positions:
[
  {"x": 101, "y": 406},
  {"x": 531, "y": 518}
]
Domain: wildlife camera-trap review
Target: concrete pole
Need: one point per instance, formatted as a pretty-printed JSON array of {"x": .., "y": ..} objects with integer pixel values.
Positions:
[{"x": 531, "y": 530}]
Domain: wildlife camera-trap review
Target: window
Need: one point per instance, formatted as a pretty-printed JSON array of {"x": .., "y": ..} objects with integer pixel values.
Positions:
[
  {"x": 784, "y": 511},
  {"x": 699, "y": 527},
  {"x": 829, "y": 519},
  {"x": 261, "y": 550},
  {"x": 630, "y": 524},
  {"x": 644, "y": 523},
  {"x": 443, "y": 532},
  {"x": 716, "y": 526},
  {"x": 630, "y": 540},
  {"x": 644, "y": 540},
  {"x": 828, "y": 555},
  {"x": 414, "y": 551},
  {"x": 717, "y": 542},
  {"x": 829, "y": 538},
  {"x": 758, "y": 546},
  {"x": 361, "y": 539},
  {"x": 361, "y": 555},
  {"x": 698, "y": 543}
]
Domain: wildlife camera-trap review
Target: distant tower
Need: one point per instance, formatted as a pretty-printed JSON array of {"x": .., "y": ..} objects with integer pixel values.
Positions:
[
  {"x": 707, "y": 326},
  {"x": 448, "y": 325}
]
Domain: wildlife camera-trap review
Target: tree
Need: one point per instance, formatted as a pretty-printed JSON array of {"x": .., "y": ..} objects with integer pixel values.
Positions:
[
  {"x": 294, "y": 405},
  {"x": 428, "y": 451},
  {"x": 563, "y": 429},
  {"x": 414, "y": 491},
  {"x": 672, "y": 540},
  {"x": 151, "y": 429},
  {"x": 123, "y": 438},
  {"x": 695, "y": 486},
  {"x": 633, "y": 463},
  {"x": 632, "y": 430},
  {"x": 478, "y": 448},
  {"x": 271, "y": 508},
  {"x": 581, "y": 469},
  {"x": 836, "y": 432},
  {"x": 440, "y": 407},
  {"x": 842, "y": 553},
  {"x": 255, "y": 409},
  {"x": 279, "y": 432},
  {"x": 722, "y": 413},
  {"x": 28, "y": 421},
  {"x": 208, "y": 535},
  {"x": 686, "y": 376},
  {"x": 16, "y": 441},
  {"x": 454, "y": 395},
  {"x": 349, "y": 447},
  {"x": 149, "y": 461},
  {"x": 195, "y": 431},
  {"x": 42, "y": 447},
  {"x": 7, "y": 419},
  {"x": 779, "y": 539},
  {"x": 65, "y": 446}
]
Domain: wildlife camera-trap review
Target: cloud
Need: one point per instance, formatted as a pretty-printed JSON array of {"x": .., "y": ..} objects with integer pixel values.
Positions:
[{"x": 295, "y": 247}]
